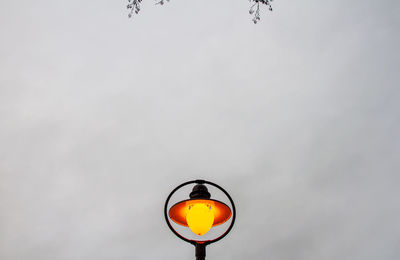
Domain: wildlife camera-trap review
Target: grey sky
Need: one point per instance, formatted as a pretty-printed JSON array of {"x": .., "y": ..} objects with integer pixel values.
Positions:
[{"x": 298, "y": 117}]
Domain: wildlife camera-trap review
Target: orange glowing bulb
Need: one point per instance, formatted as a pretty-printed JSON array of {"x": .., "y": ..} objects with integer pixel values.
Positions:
[{"x": 200, "y": 218}]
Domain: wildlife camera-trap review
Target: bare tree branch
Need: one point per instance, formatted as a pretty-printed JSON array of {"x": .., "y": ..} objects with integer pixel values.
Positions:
[
  {"x": 255, "y": 8},
  {"x": 134, "y": 7}
]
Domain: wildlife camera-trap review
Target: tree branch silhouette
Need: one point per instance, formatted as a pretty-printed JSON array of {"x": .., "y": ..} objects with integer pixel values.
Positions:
[{"x": 134, "y": 7}]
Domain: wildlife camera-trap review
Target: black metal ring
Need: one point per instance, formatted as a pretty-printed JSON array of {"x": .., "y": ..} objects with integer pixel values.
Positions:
[{"x": 194, "y": 242}]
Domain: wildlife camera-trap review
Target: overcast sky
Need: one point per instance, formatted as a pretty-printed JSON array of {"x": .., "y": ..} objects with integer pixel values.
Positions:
[{"x": 101, "y": 116}]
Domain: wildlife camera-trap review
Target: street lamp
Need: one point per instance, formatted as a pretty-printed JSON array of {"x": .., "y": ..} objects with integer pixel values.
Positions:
[{"x": 200, "y": 213}]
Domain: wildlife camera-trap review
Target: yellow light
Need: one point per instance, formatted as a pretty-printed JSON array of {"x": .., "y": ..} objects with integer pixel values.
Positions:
[{"x": 200, "y": 218}]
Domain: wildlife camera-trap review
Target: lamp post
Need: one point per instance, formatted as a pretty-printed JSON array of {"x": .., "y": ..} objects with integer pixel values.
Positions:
[{"x": 200, "y": 213}]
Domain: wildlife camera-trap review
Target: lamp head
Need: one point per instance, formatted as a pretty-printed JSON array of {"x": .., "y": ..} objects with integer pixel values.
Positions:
[{"x": 200, "y": 213}]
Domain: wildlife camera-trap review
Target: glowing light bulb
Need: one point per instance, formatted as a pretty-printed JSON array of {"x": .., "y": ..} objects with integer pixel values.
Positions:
[{"x": 200, "y": 218}]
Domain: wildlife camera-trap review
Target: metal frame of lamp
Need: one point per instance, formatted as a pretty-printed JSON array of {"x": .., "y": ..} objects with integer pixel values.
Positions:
[{"x": 200, "y": 196}]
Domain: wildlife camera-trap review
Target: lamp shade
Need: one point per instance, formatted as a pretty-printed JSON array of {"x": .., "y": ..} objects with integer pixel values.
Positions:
[{"x": 212, "y": 212}]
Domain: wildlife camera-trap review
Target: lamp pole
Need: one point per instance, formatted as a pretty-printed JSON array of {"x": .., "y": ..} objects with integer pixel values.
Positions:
[{"x": 200, "y": 251}]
